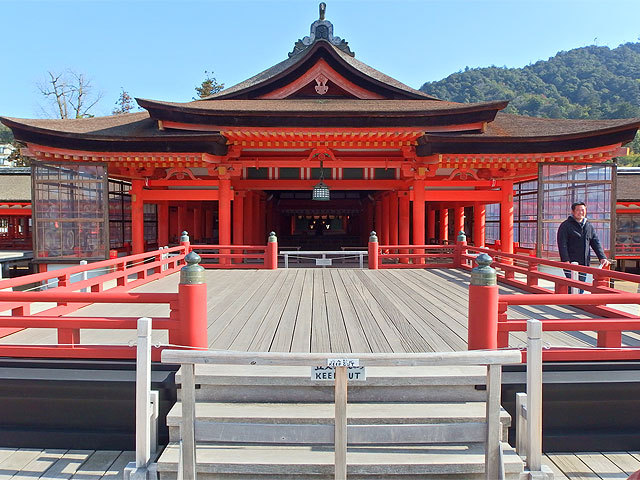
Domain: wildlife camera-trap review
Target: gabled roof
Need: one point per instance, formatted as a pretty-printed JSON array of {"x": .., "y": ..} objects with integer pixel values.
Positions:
[{"x": 291, "y": 68}]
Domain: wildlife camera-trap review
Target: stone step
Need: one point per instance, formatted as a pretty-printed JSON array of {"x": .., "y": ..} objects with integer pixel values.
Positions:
[
  {"x": 237, "y": 383},
  {"x": 244, "y": 462},
  {"x": 257, "y": 414}
]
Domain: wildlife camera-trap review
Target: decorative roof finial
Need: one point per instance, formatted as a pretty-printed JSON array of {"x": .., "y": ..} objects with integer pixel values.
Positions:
[{"x": 321, "y": 29}]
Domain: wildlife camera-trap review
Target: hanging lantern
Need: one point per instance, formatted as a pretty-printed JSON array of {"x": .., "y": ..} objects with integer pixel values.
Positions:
[{"x": 321, "y": 189}]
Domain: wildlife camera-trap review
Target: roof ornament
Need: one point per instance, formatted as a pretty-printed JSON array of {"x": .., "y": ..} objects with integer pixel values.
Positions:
[{"x": 321, "y": 29}]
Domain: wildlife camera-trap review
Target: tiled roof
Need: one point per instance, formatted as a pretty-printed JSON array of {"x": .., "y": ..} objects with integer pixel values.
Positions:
[{"x": 15, "y": 187}]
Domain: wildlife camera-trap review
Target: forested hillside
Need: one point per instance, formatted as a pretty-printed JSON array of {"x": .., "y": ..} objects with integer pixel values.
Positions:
[{"x": 589, "y": 82}]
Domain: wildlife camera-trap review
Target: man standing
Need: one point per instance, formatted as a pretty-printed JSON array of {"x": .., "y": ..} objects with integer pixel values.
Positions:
[{"x": 576, "y": 238}]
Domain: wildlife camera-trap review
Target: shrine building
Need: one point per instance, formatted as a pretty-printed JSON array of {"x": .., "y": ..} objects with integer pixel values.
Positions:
[{"x": 321, "y": 149}]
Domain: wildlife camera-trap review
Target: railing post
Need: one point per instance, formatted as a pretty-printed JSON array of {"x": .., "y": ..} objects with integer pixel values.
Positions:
[
  {"x": 532, "y": 269},
  {"x": 534, "y": 395},
  {"x": 192, "y": 303},
  {"x": 84, "y": 276},
  {"x": 271, "y": 253},
  {"x": 140, "y": 468},
  {"x": 461, "y": 249},
  {"x": 483, "y": 306},
  {"x": 373, "y": 251},
  {"x": 340, "y": 433},
  {"x": 184, "y": 241}
]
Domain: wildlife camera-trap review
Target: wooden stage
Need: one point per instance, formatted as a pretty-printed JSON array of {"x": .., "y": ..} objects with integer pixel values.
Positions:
[{"x": 330, "y": 310}]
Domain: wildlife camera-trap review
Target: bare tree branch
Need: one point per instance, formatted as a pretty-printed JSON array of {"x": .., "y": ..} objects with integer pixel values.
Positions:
[{"x": 71, "y": 93}]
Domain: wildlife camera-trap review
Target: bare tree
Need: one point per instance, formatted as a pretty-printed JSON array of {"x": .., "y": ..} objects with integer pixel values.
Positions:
[{"x": 71, "y": 94}]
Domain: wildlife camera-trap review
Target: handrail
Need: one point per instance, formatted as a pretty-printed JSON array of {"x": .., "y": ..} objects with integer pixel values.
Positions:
[
  {"x": 186, "y": 323},
  {"x": 492, "y": 359},
  {"x": 234, "y": 256}
]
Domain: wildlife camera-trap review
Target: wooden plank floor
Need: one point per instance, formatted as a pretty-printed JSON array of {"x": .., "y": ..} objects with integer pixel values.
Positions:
[
  {"x": 330, "y": 310},
  {"x": 28, "y": 463},
  {"x": 25, "y": 463}
]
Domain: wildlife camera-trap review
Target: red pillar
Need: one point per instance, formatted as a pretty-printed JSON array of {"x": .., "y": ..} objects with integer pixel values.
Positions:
[
  {"x": 238, "y": 217},
  {"x": 368, "y": 221},
  {"x": 248, "y": 218},
  {"x": 137, "y": 217},
  {"x": 459, "y": 220},
  {"x": 182, "y": 218},
  {"x": 386, "y": 237},
  {"x": 418, "y": 216},
  {"x": 197, "y": 223},
  {"x": 403, "y": 222},
  {"x": 256, "y": 220},
  {"x": 224, "y": 212},
  {"x": 378, "y": 220},
  {"x": 262, "y": 237},
  {"x": 208, "y": 223},
  {"x": 444, "y": 225},
  {"x": 163, "y": 224},
  {"x": 479, "y": 216},
  {"x": 431, "y": 224},
  {"x": 506, "y": 217},
  {"x": 393, "y": 218}
]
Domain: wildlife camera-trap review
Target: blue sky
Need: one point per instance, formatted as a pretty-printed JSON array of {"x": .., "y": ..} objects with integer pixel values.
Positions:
[{"x": 160, "y": 49}]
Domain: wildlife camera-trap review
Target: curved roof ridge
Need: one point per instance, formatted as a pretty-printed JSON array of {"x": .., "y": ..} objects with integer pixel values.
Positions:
[{"x": 289, "y": 64}]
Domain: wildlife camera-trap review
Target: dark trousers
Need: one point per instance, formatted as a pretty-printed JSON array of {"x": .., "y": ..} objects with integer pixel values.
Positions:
[{"x": 581, "y": 276}]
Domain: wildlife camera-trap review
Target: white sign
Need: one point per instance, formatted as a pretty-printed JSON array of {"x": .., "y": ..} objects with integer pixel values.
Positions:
[
  {"x": 343, "y": 362},
  {"x": 323, "y": 261},
  {"x": 328, "y": 373}
]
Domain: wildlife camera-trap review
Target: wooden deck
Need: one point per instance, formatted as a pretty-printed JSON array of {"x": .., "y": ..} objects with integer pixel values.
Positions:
[
  {"x": 330, "y": 310},
  {"x": 22, "y": 464}
]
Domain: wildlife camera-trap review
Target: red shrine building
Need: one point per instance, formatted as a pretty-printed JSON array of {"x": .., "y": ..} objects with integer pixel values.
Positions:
[{"x": 321, "y": 149}]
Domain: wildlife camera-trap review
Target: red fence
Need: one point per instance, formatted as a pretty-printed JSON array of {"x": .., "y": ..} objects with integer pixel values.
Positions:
[
  {"x": 239, "y": 256},
  {"x": 489, "y": 326},
  {"x": 110, "y": 282},
  {"x": 66, "y": 296}
]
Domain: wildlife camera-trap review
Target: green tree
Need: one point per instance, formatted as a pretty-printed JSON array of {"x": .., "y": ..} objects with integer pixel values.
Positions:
[
  {"x": 209, "y": 86},
  {"x": 6, "y": 136},
  {"x": 124, "y": 104}
]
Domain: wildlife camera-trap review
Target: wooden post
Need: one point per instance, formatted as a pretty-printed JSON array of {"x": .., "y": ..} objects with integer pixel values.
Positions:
[
  {"x": 340, "y": 437},
  {"x": 182, "y": 217},
  {"x": 492, "y": 464},
  {"x": 143, "y": 396},
  {"x": 403, "y": 216},
  {"x": 461, "y": 249},
  {"x": 444, "y": 225},
  {"x": 271, "y": 253},
  {"x": 506, "y": 217},
  {"x": 257, "y": 221},
  {"x": 431, "y": 224},
  {"x": 386, "y": 227},
  {"x": 163, "y": 223},
  {"x": 192, "y": 303},
  {"x": 479, "y": 222},
  {"x": 373, "y": 251},
  {"x": 249, "y": 218},
  {"x": 137, "y": 217},
  {"x": 418, "y": 217},
  {"x": 534, "y": 395},
  {"x": 459, "y": 219},
  {"x": 238, "y": 221},
  {"x": 483, "y": 306},
  {"x": 187, "y": 428},
  {"x": 393, "y": 218},
  {"x": 378, "y": 218}
]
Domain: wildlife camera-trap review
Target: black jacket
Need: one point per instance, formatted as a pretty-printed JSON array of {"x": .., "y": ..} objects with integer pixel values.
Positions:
[{"x": 575, "y": 241}]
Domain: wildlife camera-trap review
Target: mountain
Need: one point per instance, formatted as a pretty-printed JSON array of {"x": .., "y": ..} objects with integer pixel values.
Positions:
[{"x": 588, "y": 82}]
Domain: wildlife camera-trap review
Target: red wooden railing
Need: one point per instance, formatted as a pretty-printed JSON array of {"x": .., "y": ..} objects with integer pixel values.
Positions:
[
  {"x": 66, "y": 296},
  {"x": 239, "y": 256},
  {"x": 489, "y": 326}
]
